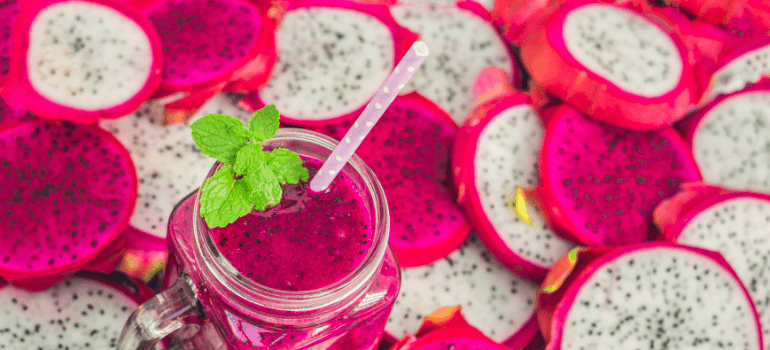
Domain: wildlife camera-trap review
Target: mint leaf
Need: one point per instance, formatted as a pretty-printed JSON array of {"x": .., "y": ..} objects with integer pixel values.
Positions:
[
  {"x": 219, "y": 136},
  {"x": 287, "y": 166},
  {"x": 264, "y": 123},
  {"x": 224, "y": 199},
  {"x": 264, "y": 189},
  {"x": 249, "y": 159}
]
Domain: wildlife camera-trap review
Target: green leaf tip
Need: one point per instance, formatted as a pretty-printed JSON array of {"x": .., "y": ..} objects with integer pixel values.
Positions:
[{"x": 250, "y": 177}]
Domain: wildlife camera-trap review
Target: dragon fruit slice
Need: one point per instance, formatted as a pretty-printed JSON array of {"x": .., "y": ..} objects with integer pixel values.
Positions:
[
  {"x": 463, "y": 42},
  {"x": 447, "y": 329},
  {"x": 10, "y": 113},
  {"x": 333, "y": 56},
  {"x": 8, "y": 12},
  {"x": 735, "y": 225},
  {"x": 656, "y": 295},
  {"x": 497, "y": 151},
  {"x": 92, "y": 59},
  {"x": 740, "y": 67},
  {"x": 601, "y": 183},
  {"x": 68, "y": 192},
  {"x": 486, "y": 5},
  {"x": 730, "y": 137},
  {"x": 210, "y": 46},
  {"x": 168, "y": 164},
  {"x": 613, "y": 64},
  {"x": 408, "y": 150},
  {"x": 83, "y": 312},
  {"x": 745, "y": 17},
  {"x": 493, "y": 299}
]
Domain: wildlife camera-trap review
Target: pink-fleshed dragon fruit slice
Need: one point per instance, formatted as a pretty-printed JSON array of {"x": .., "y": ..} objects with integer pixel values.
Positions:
[
  {"x": 9, "y": 113},
  {"x": 168, "y": 165},
  {"x": 730, "y": 137},
  {"x": 409, "y": 151},
  {"x": 84, "y": 312},
  {"x": 332, "y": 58},
  {"x": 655, "y": 295},
  {"x": 746, "y": 17},
  {"x": 463, "y": 43},
  {"x": 68, "y": 192},
  {"x": 600, "y": 183},
  {"x": 82, "y": 60},
  {"x": 735, "y": 224},
  {"x": 613, "y": 64},
  {"x": 496, "y": 301},
  {"x": 209, "y": 47},
  {"x": 497, "y": 151},
  {"x": 8, "y": 12}
]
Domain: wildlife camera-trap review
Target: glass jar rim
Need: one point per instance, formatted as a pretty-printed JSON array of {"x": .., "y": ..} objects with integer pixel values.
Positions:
[{"x": 295, "y": 305}]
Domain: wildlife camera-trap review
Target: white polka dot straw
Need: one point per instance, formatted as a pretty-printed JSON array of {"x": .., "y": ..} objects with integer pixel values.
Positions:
[{"x": 371, "y": 114}]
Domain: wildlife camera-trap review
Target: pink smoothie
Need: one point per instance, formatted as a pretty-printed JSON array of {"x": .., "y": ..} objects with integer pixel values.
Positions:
[{"x": 308, "y": 241}]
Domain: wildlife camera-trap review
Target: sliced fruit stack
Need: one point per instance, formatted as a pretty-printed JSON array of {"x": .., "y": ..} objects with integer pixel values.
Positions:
[{"x": 622, "y": 201}]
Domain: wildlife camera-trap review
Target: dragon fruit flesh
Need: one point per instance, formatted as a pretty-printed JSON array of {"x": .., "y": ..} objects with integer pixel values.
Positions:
[
  {"x": 740, "y": 66},
  {"x": 92, "y": 59},
  {"x": 496, "y": 152},
  {"x": 409, "y": 151},
  {"x": 601, "y": 183},
  {"x": 462, "y": 42},
  {"x": 493, "y": 299},
  {"x": 8, "y": 11},
  {"x": 10, "y": 113},
  {"x": 486, "y": 5},
  {"x": 332, "y": 58},
  {"x": 83, "y": 312},
  {"x": 168, "y": 164},
  {"x": 734, "y": 224},
  {"x": 655, "y": 295},
  {"x": 210, "y": 46},
  {"x": 613, "y": 64},
  {"x": 446, "y": 328},
  {"x": 730, "y": 138},
  {"x": 68, "y": 192},
  {"x": 744, "y": 17}
]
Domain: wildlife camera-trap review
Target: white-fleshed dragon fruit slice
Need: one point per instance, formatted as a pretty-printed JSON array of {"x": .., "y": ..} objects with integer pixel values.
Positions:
[
  {"x": 613, "y": 64},
  {"x": 646, "y": 296},
  {"x": 740, "y": 66},
  {"x": 332, "y": 58},
  {"x": 463, "y": 42},
  {"x": 493, "y": 299},
  {"x": 735, "y": 224},
  {"x": 168, "y": 165},
  {"x": 82, "y": 60},
  {"x": 730, "y": 139},
  {"x": 82, "y": 312},
  {"x": 497, "y": 151}
]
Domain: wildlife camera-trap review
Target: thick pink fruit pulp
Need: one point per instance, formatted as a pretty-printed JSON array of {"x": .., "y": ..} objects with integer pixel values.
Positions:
[{"x": 309, "y": 241}]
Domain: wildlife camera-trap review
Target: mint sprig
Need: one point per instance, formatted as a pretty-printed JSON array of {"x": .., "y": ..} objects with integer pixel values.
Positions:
[{"x": 254, "y": 176}]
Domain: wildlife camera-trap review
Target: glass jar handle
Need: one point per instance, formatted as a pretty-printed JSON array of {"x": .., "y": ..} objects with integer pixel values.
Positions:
[{"x": 160, "y": 316}]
